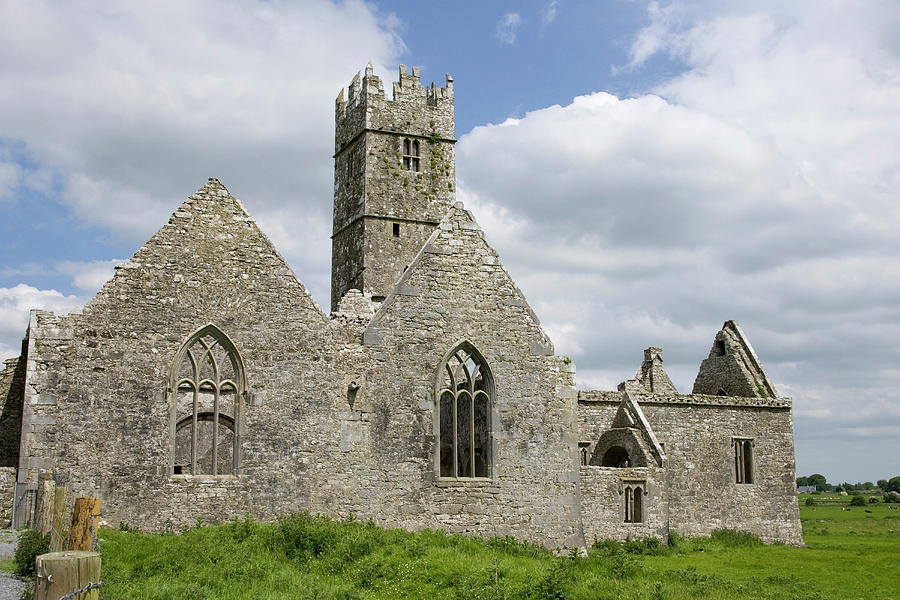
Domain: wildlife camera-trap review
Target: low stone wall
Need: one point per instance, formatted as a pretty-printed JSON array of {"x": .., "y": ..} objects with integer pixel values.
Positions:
[
  {"x": 603, "y": 504},
  {"x": 7, "y": 489}
]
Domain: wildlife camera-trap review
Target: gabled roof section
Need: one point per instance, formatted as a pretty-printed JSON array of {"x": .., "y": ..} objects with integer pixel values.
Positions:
[
  {"x": 458, "y": 234},
  {"x": 732, "y": 368},
  {"x": 650, "y": 377},
  {"x": 209, "y": 240},
  {"x": 630, "y": 405}
]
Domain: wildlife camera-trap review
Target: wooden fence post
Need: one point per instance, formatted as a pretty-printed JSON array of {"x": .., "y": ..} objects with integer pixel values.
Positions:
[
  {"x": 60, "y": 529},
  {"x": 84, "y": 517},
  {"x": 59, "y": 573},
  {"x": 43, "y": 514}
]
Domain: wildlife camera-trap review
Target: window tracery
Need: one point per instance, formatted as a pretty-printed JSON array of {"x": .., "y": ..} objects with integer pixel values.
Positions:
[
  {"x": 465, "y": 400},
  {"x": 209, "y": 385}
]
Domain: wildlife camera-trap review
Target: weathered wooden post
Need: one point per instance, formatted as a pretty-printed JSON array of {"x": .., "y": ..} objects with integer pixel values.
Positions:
[
  {"x": 84, "y": 523},
  {"x": 59, "y": 530},
  {"x": 43, "y": 514},
  {"x": 60, "y": 573}
]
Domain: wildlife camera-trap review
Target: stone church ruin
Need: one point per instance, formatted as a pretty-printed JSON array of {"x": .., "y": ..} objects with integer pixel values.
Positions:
[{"x": 204, "y": 382}]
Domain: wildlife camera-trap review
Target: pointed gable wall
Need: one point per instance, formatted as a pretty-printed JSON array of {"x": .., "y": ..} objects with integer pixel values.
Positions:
[
  {"x": 732, "y": 367},
  {"x": 456, "y": 289},
  {"x": 101, "y": 379}
]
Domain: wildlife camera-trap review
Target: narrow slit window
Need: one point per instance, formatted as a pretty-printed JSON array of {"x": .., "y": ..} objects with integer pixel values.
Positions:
[
  {"x": 396, "y": 229},
  {"x": 743, "y": 460}
]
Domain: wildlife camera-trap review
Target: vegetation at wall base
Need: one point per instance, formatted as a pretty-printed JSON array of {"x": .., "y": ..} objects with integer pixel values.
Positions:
[
  {"x": 305, "y": 556},
  {"x": 31, "y": 545}
]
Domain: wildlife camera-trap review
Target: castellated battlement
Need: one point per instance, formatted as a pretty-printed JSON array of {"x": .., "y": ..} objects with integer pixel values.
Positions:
[{"x": 426, "y": 111}]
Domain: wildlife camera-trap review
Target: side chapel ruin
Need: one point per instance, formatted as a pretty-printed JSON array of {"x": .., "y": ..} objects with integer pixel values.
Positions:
[{"x": 203, "y": 381}]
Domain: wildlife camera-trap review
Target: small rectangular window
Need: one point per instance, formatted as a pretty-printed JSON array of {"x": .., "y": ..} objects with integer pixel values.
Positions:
[
  {"x": 410, "y": 155},
  {"x": 396, "y": 229},
  {"x": 743, "y": 460}
]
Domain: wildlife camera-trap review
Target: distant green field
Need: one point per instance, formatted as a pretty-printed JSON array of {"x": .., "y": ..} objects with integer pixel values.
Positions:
[{"x": 851, "y": 554}]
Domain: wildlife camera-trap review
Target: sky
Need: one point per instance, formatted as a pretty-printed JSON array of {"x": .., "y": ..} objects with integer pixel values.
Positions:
[{"x": 646, "y": 170}]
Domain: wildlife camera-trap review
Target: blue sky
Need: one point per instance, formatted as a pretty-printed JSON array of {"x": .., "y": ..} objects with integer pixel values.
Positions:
[{"x": 646, "y": 170}]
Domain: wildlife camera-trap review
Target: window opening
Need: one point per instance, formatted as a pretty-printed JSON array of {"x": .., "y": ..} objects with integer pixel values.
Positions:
[
  {"x": 396, "y": 229},
  {"x": 584, "y": 451},
  {"x": 466, "y": 395},
  {"x": 410, "y": 154},
  {"x": 616, "y": 456},
  {"x": 743, "y": 460},
  {"x": 208, "y": 387},
  {"x": 719, "y": 348},
  {"x": 634, "y": 503}
]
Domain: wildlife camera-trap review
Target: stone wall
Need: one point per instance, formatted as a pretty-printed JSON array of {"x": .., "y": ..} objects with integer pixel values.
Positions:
[
  {"x": 103, "y": 419},
  {"x": 696, "y": 433},
  {"x": 457, "y": 290},
  {"x": 7, "y": 489},
  {"x": 603, "y": 504},
  {"x": 101, "y": 408}
]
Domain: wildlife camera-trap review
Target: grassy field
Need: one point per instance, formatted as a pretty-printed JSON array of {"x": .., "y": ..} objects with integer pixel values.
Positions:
[{"x": 851, "y": 554}]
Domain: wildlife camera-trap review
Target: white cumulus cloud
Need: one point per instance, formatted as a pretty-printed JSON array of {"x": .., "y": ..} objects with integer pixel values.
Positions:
[{"x": 759, "y": 185}]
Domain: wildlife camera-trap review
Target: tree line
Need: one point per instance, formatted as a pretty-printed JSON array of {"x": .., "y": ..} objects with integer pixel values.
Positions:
[{"x": 822, "y": 485}]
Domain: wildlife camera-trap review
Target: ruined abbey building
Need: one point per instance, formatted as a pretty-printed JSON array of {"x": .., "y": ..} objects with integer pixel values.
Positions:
[{"x": 203, "y": 381}]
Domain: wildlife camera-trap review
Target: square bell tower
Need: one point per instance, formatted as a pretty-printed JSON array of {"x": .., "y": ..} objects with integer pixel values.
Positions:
[{"x": 394, "y": 178}]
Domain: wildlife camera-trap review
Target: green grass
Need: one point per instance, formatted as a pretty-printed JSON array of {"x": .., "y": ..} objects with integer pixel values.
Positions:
[
  {"x": 850, "y": 555},
  {"x": 7, "y": 565}
]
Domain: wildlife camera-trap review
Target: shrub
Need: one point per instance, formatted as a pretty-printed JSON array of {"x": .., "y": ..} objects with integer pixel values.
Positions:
[
  {"x": 857, "y": 501},
  {"x": 734, "y": 538},
  {"x": 891, "y": 497},
  {"x": 873, "y": 500},
  {"x": 650, "y": 546},
  {"x": 810, "y": 502},
  {"x": 31, "y": 545}
]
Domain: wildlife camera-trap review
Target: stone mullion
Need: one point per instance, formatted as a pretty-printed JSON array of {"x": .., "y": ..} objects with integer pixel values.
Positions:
[
  {"x": 194, "y": 428},
  {"x": 455, "y": 437},
  {"x": 471, "y": 433},
  {"x": 215, "y": 431}
]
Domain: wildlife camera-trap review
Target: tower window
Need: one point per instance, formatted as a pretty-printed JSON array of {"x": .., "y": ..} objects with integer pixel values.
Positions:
[
  {"x": 410, "y": 154},
  {"x": 396, "y": 229}
]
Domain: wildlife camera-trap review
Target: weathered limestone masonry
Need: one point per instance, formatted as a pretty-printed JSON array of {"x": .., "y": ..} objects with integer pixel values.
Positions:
[
  {"x": 702, "y": 437},
  {"x": 203, "y": 381}
]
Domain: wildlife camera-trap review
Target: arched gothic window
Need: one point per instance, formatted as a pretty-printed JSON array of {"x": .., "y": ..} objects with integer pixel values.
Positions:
[
  {"x": 634, "y": 509},
  {"x": 209, "y": 385},
  {"x": 465, "y": 392}
]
